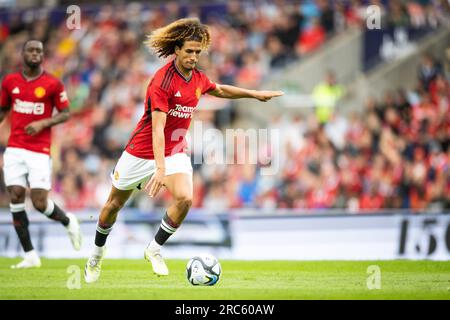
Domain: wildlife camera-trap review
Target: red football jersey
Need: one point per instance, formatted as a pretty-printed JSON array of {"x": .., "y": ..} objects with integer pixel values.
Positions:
[
  {"x": 170, "y": 92},
  {"x": 31, "y": 101}
]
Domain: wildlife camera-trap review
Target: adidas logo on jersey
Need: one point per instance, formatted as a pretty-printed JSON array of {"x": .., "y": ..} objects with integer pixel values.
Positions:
[
  {"x": 16, "y": 90},
  {"x": 178, "y": 94}
]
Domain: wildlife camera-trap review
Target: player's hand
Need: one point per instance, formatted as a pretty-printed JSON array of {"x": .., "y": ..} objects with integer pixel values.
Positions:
[
  {"x": 155, "y": 183},
  {"x": 267, "y": 95},
  {"x": 34, "y": 127}
]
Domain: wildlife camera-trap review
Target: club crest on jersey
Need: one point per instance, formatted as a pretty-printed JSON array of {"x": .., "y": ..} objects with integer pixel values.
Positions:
[
  {"x": 116, "y": 175},
  {"x": 198, "y": 93},
  {"x": 39, "y": 92}
]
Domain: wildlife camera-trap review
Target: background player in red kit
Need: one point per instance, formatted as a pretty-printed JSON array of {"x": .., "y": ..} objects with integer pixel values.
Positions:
[
  {"x": 30, "y": 96},
  {"x": 156, "y": 147}
]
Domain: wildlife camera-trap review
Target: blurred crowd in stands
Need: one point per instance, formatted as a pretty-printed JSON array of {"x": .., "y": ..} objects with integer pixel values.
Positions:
[{"x": 395, "y": 155}]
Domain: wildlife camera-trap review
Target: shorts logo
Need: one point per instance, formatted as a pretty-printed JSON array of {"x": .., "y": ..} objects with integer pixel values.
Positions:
[
  {"x": 39, "y": 92},
  {"x": 116, "y": 175},
  {"x": 198, "y": 93}
]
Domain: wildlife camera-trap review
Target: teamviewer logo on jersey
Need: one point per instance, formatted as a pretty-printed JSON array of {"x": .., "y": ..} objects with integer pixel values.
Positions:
[
  {"x": 27, "y": 107},
  {"x": 178, "y": 94},
  {"x": 181, "y": 112}
]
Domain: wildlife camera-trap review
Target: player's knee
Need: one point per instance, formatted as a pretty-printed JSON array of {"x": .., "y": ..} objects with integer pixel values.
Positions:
[
  {"x": 17, "y": 195},
  {"x": 114, "y": 205},
  {"x": 17, "y": 198},
  {"x": 40, "y": 204},
  {"x": 184, "y": 202}
]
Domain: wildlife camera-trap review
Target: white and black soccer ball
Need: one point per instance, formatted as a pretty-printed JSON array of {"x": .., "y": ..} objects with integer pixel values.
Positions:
[{"x": 203, "y": 270}]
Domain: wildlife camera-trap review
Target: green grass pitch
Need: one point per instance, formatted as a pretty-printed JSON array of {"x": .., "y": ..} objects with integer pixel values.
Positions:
[{"x": 254, "y": 280}]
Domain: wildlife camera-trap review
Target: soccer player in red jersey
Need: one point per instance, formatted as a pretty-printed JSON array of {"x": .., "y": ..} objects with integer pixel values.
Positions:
[
  {"x": 155, "y": 154},
  {"x": 31, "y": 96}
]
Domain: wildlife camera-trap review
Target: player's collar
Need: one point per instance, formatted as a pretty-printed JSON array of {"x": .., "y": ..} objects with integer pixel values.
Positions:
[
  {"x": 181, "y": 74},
  {"x": 34, "y": 78}
]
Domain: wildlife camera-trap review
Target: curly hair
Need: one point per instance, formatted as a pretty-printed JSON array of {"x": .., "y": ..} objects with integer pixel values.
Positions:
[{"x": 164, "y": 40}]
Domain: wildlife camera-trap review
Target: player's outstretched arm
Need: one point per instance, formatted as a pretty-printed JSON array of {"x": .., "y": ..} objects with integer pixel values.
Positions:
[
  {"x": 232, "y": 92},
  {"x": 35, "y": 127}
]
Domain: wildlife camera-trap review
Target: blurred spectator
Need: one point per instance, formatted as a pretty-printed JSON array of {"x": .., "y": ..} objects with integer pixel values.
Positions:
[
  {"x": 398, "y": 15},
  {"x": 372, "y": 199},
  {"x": 326, "y": 16},
  {"x": 279, "y": 56},
  {"x": 428, "y": 70},
  {"x": 311, "y": 38},
  {"x": 326, "y": 95}
]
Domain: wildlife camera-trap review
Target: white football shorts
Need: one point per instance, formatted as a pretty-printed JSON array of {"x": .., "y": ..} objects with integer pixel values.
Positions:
[
  {"x": 132, "y": 172},
  {"x": 27, "y": 168}
]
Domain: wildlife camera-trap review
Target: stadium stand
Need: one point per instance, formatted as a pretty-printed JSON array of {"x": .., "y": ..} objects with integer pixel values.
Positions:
[{"x": 393, "y": 155}]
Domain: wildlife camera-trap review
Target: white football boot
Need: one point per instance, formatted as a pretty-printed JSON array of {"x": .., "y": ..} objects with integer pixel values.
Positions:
[
  {"x": 94, "y": 265},
  {"x": 31, "y": 260},
  {"x": 157, "y": 261},
  {"x": 73, "y": 229}
]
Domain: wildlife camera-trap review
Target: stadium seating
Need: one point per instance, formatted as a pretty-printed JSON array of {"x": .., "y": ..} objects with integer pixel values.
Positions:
[{"x": 394, "y": 155}]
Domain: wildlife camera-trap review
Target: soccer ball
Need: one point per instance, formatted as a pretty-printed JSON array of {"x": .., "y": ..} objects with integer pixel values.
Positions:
[{"x": 203, "y": 270}]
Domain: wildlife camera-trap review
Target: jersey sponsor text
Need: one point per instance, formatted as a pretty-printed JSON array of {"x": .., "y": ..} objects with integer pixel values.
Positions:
[{"x": 27, "y": 107}]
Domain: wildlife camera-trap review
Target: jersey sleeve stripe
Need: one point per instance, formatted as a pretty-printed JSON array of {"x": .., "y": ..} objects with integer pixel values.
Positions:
[
  {"x": 168, "y": 78},
  {"x": 149, "y": 106},
  {"x": 166, "y": 74}
]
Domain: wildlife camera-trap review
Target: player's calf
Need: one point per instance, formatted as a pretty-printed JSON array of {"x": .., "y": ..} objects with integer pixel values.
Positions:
[
  {"x": 20, "y": 221},
  {"x": 51, "y": 210},
  {"x": 68, "y": 220}
]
